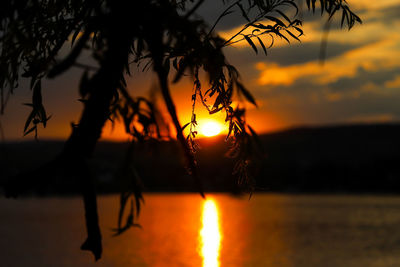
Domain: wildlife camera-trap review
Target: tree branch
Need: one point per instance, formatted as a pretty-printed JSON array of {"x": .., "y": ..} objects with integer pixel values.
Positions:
[{"x": 71, "y": 58}]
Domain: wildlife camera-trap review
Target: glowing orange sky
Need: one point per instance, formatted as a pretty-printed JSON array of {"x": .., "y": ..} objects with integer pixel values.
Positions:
[
  {"x": 359, "y": 82},
  {"x": 262, "y": 121}
]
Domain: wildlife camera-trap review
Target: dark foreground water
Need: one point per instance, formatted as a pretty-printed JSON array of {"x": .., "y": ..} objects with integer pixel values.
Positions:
[{"x": 185, "y": 230}]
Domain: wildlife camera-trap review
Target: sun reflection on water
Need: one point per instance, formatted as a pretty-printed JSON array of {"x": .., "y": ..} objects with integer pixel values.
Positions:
[{"x": 210, "y": 235}]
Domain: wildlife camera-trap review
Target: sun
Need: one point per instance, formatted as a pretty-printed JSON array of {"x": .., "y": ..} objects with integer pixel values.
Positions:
[{"x": 210, "y": 128}]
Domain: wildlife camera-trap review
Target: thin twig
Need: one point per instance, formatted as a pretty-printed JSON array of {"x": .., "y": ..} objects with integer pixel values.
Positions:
[
  {"x": 85, "y": 66},
  {"x": 221, "y": 16},
  {"x": 324, "y": 43},
  {"x": 245, "y": 27},
  {"x": 194, "y": 9},
  {"x": 2, "y": 135}
]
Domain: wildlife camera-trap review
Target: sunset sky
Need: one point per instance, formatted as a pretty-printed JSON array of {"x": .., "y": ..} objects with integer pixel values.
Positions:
[{"x": 359, "y": 82}]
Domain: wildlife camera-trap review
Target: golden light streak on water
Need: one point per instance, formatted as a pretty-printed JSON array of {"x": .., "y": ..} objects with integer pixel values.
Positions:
[{"x": 210, "y": 234}]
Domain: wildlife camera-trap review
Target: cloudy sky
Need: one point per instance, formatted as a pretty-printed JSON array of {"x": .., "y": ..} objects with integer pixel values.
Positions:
[{"x": 359, "y": 81}]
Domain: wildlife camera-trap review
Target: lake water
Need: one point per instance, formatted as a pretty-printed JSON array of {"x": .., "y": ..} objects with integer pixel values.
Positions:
[{"x": 185, "y": 230}]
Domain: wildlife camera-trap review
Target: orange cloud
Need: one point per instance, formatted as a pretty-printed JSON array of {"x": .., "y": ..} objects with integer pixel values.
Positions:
[
  {"x": 374, "y": 118},
  {"x": 395, "y": 83},
  {"x": 361, "y": 4},
  {"x": 372, "y": 57}
]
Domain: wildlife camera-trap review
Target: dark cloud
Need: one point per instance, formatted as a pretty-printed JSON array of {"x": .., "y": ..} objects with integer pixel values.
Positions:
[
  {"x": 304, "y": 109},
  {"x": 296, "y": 53},
  {"x": 305, "y": 102},
  {"x": 363, "y": 77},
  {"x": 210, "y": 10},
  {"x": 305, "y": 52},
  {"x": 387, "y": 15}
]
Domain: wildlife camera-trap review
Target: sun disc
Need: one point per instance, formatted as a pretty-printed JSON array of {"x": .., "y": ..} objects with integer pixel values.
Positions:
[{"x": 211, "y": 128}]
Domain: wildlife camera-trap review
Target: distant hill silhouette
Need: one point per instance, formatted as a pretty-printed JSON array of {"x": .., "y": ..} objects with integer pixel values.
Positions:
[{"x": 353, "y": 158}]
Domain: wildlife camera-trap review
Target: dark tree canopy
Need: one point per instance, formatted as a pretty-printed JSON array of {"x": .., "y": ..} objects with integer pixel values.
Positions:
[{"x": 165, "y": 36}]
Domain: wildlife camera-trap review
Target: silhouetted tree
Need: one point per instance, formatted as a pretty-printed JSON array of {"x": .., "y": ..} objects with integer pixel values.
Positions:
[{"x": 154, "y": 34}]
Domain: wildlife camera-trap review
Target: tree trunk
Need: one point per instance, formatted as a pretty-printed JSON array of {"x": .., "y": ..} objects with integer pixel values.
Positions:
[{"x": 81, "y": 144}]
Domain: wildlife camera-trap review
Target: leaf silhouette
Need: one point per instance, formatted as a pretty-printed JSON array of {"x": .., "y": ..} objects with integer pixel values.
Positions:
[
  {"x": 262, "y": 45},
  {"x": 248, "y": 39},
  {"x": 246, "y": 93}
]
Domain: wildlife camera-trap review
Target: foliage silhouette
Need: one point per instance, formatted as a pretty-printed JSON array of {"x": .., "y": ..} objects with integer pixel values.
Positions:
[{"x": 153, "y": 34}]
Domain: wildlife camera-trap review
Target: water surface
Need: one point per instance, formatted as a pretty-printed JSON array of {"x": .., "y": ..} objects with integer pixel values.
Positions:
[{"x": 185, "y": 230}]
